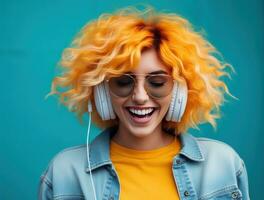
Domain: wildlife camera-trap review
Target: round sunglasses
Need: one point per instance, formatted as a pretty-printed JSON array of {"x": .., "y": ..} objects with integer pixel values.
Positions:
[{"x": 156, "y": 85}]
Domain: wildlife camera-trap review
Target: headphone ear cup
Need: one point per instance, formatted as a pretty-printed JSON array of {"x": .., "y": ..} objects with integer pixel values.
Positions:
[
  {"x": 178, "y": 102},
  {"x": 111, "y": 112},
  {"x": 103, "y": 102},
  {"x": 171, "y": 108}
]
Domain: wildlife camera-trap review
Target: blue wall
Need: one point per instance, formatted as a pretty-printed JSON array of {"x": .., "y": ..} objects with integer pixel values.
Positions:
[{"x": 33, "y": 35}]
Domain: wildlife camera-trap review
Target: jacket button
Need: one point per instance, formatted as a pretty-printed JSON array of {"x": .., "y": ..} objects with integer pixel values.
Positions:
[
  {"x": 234, "y": 195},
  {"x": 186, "y": 193}
]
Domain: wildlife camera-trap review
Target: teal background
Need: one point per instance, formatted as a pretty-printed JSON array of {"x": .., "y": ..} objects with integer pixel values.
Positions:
[{"x": 33, "y": 35}]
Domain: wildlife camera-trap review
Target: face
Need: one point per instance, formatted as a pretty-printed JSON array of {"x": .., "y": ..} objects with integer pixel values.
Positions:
[{"x": 139, "y": 100}]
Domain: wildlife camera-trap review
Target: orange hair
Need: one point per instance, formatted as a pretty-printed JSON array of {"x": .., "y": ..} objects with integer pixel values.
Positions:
[{"x": 113, "y": 44}]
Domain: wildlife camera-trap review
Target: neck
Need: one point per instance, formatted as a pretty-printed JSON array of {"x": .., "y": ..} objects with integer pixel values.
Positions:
[{"x": 158, "y": 138}]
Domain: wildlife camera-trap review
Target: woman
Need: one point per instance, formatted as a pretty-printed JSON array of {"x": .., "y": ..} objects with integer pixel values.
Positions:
[{"x": 147, "y": 78}]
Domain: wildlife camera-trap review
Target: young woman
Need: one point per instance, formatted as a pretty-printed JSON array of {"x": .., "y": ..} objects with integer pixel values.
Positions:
[{"x": 145, "y": 78}]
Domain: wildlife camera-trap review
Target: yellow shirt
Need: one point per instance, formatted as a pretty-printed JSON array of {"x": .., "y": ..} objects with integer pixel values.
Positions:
[{"x": 145, "y": 175}]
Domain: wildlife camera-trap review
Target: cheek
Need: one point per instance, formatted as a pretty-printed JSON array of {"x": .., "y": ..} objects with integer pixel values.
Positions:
[
  {"x": 166, "y": 103},
  {"x": 117, "y": 105}
]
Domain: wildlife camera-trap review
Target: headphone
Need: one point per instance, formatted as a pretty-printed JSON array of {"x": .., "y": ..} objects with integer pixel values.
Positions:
[{"x": 175, "y": 112}]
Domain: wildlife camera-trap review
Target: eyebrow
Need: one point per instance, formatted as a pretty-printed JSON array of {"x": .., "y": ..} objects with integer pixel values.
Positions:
[
  {"x": 155, "y": 72},
  {"x": 158, "y": 72}
]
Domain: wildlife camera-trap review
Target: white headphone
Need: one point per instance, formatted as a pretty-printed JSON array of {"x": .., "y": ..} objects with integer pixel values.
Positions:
[{"x": 177, "y": 106}]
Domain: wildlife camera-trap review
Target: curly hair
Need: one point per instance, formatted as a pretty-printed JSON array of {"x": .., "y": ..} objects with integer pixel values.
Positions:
[{"x": 112, "y": 45}]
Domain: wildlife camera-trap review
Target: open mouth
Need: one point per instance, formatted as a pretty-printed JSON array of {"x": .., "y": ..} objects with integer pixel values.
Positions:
[{"x": 141, "y": 114}]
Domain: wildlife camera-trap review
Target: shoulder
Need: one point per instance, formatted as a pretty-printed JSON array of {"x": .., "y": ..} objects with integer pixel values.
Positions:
[
  {"x": 65, "y": 162},
  {"x": 215, "y": 145},
  {"x": 69, "y": 155},
  {"x": 219, "y": 153}
]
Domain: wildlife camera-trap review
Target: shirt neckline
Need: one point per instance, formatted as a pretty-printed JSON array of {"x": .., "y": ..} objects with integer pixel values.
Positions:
[{"x": 171, "y": 148}]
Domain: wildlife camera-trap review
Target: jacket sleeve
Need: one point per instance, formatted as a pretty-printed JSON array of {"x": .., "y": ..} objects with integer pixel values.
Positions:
[
  {"x": 45, "y": 189},
  {"x": 242, "y": 181}
]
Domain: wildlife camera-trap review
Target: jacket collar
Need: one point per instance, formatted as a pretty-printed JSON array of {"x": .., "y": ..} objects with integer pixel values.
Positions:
[
  {"x": 190, "y": 147},
  {"x": 100, "y": 154}
]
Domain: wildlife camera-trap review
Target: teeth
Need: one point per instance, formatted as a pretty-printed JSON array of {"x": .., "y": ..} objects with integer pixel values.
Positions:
[{"x": 141, "y": 112}]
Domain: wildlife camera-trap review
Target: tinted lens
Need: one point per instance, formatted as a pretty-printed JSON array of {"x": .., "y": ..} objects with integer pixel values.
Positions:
[
  {"x": 159, "y": 85},
  {"x": 122, "y": 85}
]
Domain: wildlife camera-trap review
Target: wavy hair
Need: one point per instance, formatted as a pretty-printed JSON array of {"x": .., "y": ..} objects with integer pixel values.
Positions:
[{"x": 112, "y": 45}]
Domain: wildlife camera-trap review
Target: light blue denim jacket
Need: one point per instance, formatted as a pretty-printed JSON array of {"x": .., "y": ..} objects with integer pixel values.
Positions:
[{"x": 204, "y": 169}]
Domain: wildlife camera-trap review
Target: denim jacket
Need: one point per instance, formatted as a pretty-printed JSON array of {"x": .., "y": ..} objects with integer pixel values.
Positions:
[{"x": 204, "y": 169}]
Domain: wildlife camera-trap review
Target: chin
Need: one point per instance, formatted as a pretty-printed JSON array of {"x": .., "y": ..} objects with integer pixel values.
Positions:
[{"x": 141, "y": 131}]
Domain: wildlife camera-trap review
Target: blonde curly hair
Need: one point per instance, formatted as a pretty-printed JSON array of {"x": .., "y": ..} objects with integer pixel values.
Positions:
[{"x": 113, "y": 44}]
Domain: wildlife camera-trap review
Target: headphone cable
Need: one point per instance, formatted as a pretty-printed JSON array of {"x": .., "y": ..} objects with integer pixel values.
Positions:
[{"x": 87, "y": 147}]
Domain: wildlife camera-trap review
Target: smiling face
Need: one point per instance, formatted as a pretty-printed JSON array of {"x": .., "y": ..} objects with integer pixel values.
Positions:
[{"x": 139, "y": 102}]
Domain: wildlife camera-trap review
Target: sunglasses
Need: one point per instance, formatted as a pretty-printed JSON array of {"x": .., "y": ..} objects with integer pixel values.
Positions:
[{"x": 156, "y": 85}]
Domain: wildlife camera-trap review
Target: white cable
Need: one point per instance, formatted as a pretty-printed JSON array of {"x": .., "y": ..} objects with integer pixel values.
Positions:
[{"x": 87, "y": 147}]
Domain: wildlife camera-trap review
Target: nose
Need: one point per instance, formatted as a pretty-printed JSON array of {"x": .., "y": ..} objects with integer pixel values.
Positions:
[{"x": 140, "y": 95}]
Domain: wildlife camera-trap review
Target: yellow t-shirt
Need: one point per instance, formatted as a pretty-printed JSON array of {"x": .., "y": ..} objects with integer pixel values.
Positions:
[{"x": 145, "y": 174}]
